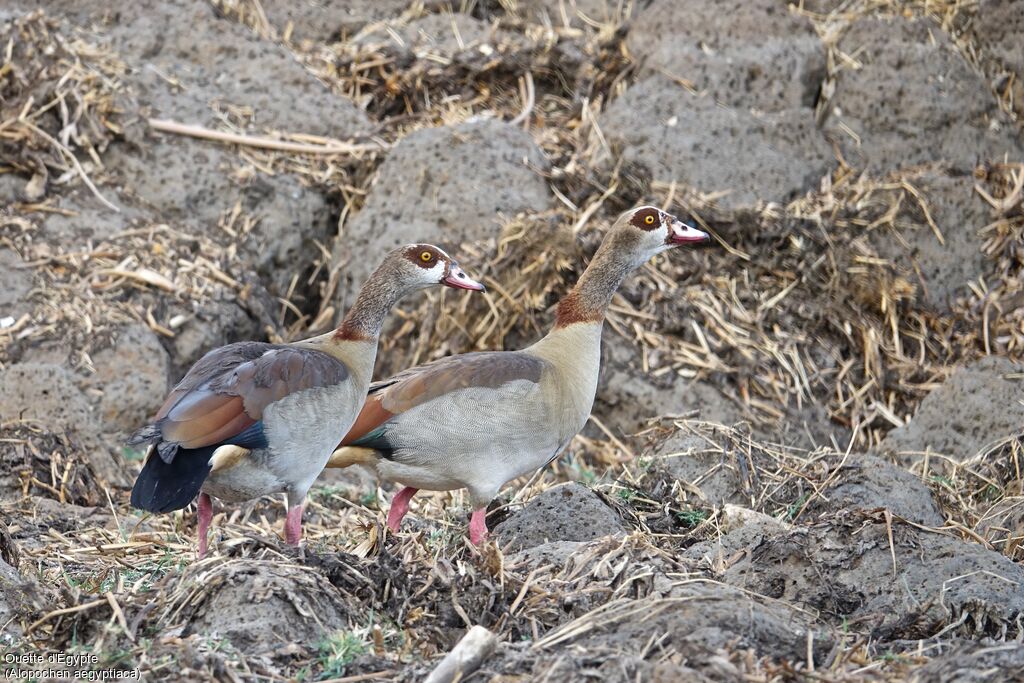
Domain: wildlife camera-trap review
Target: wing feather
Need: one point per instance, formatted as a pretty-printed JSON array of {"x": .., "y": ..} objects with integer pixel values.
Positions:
[
  {"x": 431, "y": 381},
  {"x": 193, "y": 425},
  {"x": 228, "y": 390}
]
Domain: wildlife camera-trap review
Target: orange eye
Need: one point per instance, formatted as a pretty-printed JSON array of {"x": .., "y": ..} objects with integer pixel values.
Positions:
[
  {"x": 426, "y": 256},
  {"x": 649, "y": 219}
]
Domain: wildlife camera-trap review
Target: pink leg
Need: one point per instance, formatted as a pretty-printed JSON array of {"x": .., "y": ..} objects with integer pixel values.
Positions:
[
  {"x": 478, "y": 526},
  {"x": 293, "y": 525},
  {"x": 400, "y": 506},
  {"x": 205, "y": 509}
]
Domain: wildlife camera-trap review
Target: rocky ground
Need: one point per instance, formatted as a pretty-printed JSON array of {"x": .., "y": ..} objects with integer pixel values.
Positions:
[{"x": 805, "y": 458}]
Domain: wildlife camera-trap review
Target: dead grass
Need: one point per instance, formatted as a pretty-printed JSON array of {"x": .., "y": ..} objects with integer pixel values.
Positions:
[
  {"x": 128, "y": 586},
  {"x": 61, "y": 105},
  {"x": 793, "y": 309},
  {"x": 865, "y": 346}
]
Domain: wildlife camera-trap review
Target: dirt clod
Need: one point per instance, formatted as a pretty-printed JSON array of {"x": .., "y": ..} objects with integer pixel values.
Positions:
[
  {"x": 15, "y": 284},
  {"x": 974, "y": 662},
  {"x": 868, "y": 483},
  {"x": 912, "y": 89},
  {"x": 133, "y": 375},
  {"x": 569, "y": 512},
  {"x": 39, "y": 391},
  {"x": 977, "y": 406},
  {"x": 845, "y": 569},
  {"x": 737, "y": 157},
  {"x": 263, "y": 607},
  {"x": 447, "y": 185},
  {"x": 22, "y": 599},
  {"x": 750, "y": 55}
]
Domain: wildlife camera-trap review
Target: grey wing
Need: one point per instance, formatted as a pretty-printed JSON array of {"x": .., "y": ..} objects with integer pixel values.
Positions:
[
  {"x": 226, "y": 392},
  {"x": 429, "y": 386}
]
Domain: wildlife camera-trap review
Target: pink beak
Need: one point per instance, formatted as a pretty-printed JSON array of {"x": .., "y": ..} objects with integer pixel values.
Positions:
[
  {"x": 681, "y": 233},
  {"x": 458, "y": 279}
]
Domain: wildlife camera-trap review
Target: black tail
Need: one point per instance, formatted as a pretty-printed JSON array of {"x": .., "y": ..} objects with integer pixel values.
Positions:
[{"x": 163, "y": 487}]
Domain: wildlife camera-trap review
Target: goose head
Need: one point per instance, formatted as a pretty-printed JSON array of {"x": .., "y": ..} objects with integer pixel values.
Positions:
[
  {"x": 424, "y": 265},
  {"x": 647, "y": 230}
]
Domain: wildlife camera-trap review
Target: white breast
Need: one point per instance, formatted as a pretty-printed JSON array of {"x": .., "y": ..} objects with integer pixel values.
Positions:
[
  {"x": 481, "y": 438},
  {"x": 303, "y": 429}
]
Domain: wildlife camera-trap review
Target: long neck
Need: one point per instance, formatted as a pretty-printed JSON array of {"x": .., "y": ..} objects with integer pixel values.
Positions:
[
  {"x": 366, "y": 317},
  {"x": 588, "y": 301}
]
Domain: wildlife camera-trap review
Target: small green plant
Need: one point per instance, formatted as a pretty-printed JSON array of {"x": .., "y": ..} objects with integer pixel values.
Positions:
[
  {"x": 75, "y": 581},
  {"x": 114, "y": 657},
  {"x": 440, "y": 538},
  {"x": 149, "y": 572},
  {"x": 213, "y": 644},
  {"x": 576, "y": 468},
  {"x": 324, "y": 493},
  {"x": 691, "y": 518},
  {"x": 145, "y": 575},
  {"x": 133, "y": 453},
  {"x": 587, "y": 476},
  {"x": 368, "y": 499},
  {"x": 893, "y": 657},
  {"x": 338, "y": 651},
  {"x": 793, "y": 509},
  {"x": 625, "y": 495}
]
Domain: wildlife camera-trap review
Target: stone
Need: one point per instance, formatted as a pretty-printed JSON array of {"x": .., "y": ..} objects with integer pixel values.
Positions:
[
  {"x": 567, "y": 512},
  {"x": 747, "y": 158},
  {"x": 15, "y": 285},
  {"x": 940, "y": 271},
  {"x": 749, "y": 54},
  {"x": 133, "y": 376},
  {"x": 913, "y": 90},
  {"x": 444, "y": 185},
  {"x": 978, "y": 405}
]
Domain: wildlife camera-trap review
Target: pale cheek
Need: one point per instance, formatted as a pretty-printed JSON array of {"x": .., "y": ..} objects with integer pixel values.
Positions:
[
  {"x": 431, "y": 276},
  {"x": 660, "y": 236}
]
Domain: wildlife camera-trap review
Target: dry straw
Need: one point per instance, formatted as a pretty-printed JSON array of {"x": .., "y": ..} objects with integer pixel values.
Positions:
[{"x": 794, "y": 310}]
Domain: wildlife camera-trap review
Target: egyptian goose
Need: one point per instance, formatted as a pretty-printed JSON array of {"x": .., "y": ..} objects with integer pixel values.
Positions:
[
  {"x": 479, "y": 420},
  {"x": 251, "y": 419}
]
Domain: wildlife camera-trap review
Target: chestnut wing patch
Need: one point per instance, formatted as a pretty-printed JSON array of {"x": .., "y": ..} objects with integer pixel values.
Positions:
[
  {"x": 416, "y": 386},
  {"x": 225, "y": 394}
]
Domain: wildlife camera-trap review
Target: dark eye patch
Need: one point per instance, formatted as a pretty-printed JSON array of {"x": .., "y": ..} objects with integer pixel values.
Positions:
[
  {"x": 422, "y": 256},
  {"x": 647, "y": 219}
]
